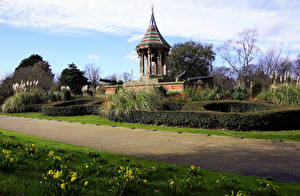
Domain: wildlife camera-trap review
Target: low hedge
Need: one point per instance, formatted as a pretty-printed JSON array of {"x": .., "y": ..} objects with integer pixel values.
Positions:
[
  {"x": 74, "y": 108},
  {"x": 228, "y": 106},
  {"x": 271, "y": 119}
]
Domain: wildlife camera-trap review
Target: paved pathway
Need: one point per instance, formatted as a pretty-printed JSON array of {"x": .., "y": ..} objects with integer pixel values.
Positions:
[{"x": 280, "y": 160}]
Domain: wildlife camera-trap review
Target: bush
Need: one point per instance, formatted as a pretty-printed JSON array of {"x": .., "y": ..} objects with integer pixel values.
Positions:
[
  {"x": 271, "y": 119},
  {"x": 283, "y": 94},
  {"x": 74, "y": 107},
  {"x": 124, "y": 101},
  {"x": 23, "y": 101},
  {"x": 239, "y": 93},
  {"x": 256, "y": 89},
  {"x": 197, "y": 93},
  {"x": 54, "y": 96},
  {"x": 173, "y": 103},
  {"x": 67, "y": 95}
]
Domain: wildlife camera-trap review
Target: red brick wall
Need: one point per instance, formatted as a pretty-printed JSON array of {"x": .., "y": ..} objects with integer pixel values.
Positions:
[{"x": 170, "y": 87}]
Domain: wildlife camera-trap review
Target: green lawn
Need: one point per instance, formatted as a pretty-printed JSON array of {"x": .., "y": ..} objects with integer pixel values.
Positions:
[
  {"x": 74, "y": 170},
  {"x": 289, "y": 135}
]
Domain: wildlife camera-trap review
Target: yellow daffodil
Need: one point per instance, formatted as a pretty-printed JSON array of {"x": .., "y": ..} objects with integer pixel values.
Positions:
[
  {"x": 86, "y": 166},
  {"x": 57, "y": 174},
  {"x": 145, "y": 181},
  {"x": 50, "y": 172},
  {"x": 51, "y": 153},
  {"x": 192, "y": 166},
  {"x": 172, "y": 182},
  {"x": 63, "y": 186},
  {"x": 86, "y": 183},
  {"x": 73, "y": 179},
  {"x": 74, "y": 174}
]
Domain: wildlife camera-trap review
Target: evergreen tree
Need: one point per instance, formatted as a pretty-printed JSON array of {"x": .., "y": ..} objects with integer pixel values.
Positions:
[{"x": 74, "y": 78}]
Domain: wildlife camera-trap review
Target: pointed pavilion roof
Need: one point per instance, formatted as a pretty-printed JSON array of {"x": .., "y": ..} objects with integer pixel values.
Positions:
[{"x": 153, "y": 36}]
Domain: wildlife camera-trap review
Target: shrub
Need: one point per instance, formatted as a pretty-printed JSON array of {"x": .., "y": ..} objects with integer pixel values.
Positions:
[
  {"x": 256, "y": 89},
  {"x": 283, "y": 94},
  {"x": 54, "y": 96},
  {"x": 67, "y": 95},
  {"x": 124, "y": 101},
  {"x": 239, "y": 93},
  {"x": 22, "y": 101},
  {"x": 265, "y": 95},
  {"x": 197, "y": 93}
]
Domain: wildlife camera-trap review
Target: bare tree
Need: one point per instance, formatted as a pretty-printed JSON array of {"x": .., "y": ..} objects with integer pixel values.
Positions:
[
  {"x": 126, "y": 76},
  {"x": 223, "y": 77},
  {"x": 93, "y": 74},
  {"x": 296, "y": 67},
  {"x": 241, "y": 53}
]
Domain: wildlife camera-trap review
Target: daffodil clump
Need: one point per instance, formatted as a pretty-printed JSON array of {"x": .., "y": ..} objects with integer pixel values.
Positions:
[
  {"x": 54, "y": 161},
  {"x": 265, "y": 187},
  {"x": 130, "y": 177},
  {"x": 8, "y": 161},
  {"x": 31, "y": 151},
  {"x": 193, "y": 180},
  {"x": 7, "y": 143},
  {"x": 64, "y": 181}
]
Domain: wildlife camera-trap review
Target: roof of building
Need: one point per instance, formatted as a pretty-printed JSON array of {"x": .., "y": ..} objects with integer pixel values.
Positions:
[{"x": 153, "y": 36}]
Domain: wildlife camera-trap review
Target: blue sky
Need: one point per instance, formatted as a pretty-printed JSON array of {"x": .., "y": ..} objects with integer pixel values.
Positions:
[{"x": 106, "y": 32}]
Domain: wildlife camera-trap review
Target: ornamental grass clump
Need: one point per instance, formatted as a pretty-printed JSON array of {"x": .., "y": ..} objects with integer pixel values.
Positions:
[
  {"x": 19, "y": 101},
  {"x": 283, "y": 94},
  {"x": 124, "y": 101}
]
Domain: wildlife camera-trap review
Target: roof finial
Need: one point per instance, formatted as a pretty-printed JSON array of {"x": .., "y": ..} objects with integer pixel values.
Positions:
[{"x": 152, "y": 9}]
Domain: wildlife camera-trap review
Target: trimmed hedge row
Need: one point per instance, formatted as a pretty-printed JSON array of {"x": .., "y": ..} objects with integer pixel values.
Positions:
[
  {"x": 229, "y": 106},
  {"x": 277, "y": 119},
  {"x": 74, "y": 108}
]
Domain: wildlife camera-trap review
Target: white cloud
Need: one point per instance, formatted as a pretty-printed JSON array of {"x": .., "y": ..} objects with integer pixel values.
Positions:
[
  {"x": 277, "y": 21},
  {"x": 135, "y": 38},
  {"x": 93, "y": 56},
  {"x": 132, "y": 56}
]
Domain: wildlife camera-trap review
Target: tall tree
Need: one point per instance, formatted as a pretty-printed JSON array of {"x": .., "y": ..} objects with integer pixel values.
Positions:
[
  {"x": 193, "y": 57},
  {"x": 239, "y": 54},
  {"x": 74, "y": 78},
  {"x": 30, "y": 61}
]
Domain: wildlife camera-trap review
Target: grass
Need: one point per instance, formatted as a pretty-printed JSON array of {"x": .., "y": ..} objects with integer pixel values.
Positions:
[
  {"x": 287, "y": 135},
  {"x": 107, "y": 173}
]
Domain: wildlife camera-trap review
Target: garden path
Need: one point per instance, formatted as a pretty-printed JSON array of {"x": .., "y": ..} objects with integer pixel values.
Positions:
[{"x": 280, "y": 160}]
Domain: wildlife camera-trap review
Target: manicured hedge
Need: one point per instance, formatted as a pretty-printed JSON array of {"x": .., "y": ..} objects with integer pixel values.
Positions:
[
  {"x": 33, "y": 108},
  {"x": 74, "y": 108},
  {"x": 228, "y": 106},
  {"x": 275, "y": 119}
]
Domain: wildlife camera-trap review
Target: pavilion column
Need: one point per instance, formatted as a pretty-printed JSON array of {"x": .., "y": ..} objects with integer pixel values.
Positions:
[
  {"x": 149, "y": 62},
  {"x": 165, "y": 62},
  {"x": 142, "y": 64},
  {"x": 159, "y": 62}
]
